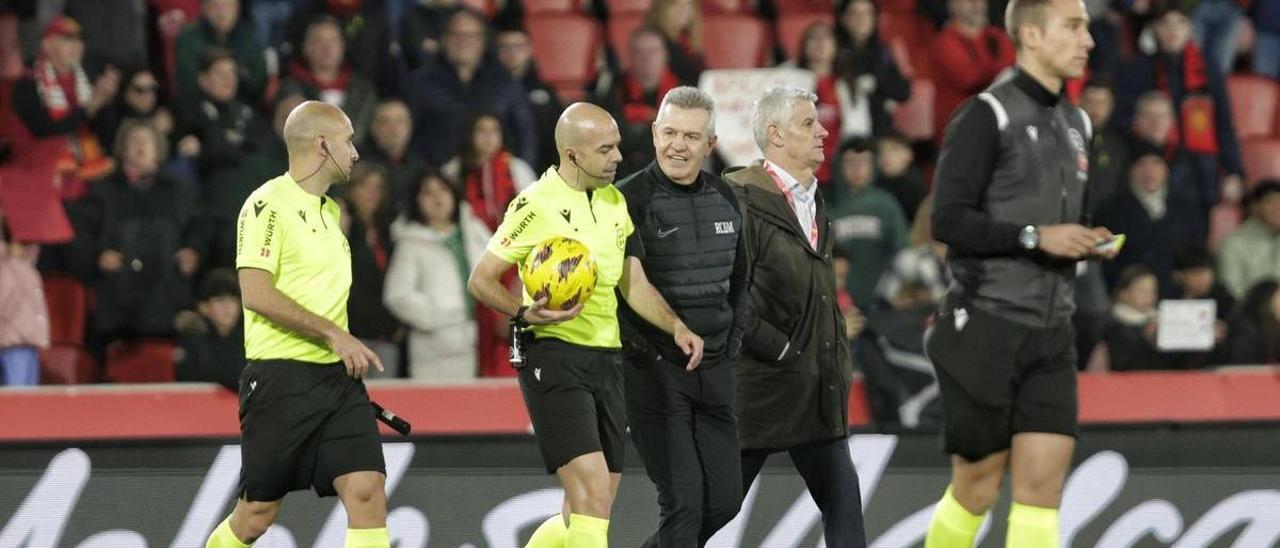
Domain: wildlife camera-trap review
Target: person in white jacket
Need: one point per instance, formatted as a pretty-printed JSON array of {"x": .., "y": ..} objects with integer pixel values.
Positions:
[{"x": 437, "y": 242}]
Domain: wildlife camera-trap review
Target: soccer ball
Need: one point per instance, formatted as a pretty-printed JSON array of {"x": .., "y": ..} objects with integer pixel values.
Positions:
[{"x": 560, "y": 269}]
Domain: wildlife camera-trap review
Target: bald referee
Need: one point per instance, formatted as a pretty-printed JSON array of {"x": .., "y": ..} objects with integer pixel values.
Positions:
[
  {"x": 305, "y": 417},
  {"x": 1009, "y": 195}
]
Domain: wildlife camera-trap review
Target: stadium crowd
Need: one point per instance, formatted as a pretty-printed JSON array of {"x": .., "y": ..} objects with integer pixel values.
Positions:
[{"x": 133, "y": 130}]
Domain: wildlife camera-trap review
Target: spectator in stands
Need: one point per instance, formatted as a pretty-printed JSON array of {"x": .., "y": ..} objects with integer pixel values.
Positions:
[
  {"x": 1249, "y": 253},
  {"x": 487, "y": 175},
  {"x": 143, "y": 228},
  {"x": 24, "y": 322},
  {"x": 634, "y": 97},
  {"x": 323, "y": 73},
  {"x": 438, "y": 242},
  {"x": 228, "y": 138},
  {"x": 876, "y": 85},
  {"x": 220, "y": 25},
  {"x": 1216, "y": 26},
  {"x": 1130, "y": 332},
  {"x": 1266, "y": 46},
  {"x": 422, "y": 27},
  {"x": 270, "y": 17},
  {"x": 367, "y": 31},
  {"x": 1204, "y": 128},
  {"x": 366, "y": 220},
  {"x": 1254, "y": 332},
  {"x": 212, "y": 338},
  {"x": 448, "y": 93},
  {"x": 1154, "y": 219},
  {"x": 515, "y": 52},
  {"x": 55, "y": 105},
  {"x": 1193, "y": 272},
  {"x": 140, "y": 101},
  {"x": 896, "y": 172},
  {"x": 866, "y": 222},
  {"x": 968, "y": 54},
  {"x": 679, "y": 22},
  {"x": 1108, "y": 146},
  {"x": 1153, "y": 122},
  {"x": 919, "y": 270},
  {"x": 818, "y": 54},
  {"x": 115, "y": 32},
  {"x": 389, "y": 147}
]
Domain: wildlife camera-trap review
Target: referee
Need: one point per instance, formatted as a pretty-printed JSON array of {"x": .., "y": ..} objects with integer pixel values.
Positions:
[
  {"x": 1010, "y": 189},
  {"x": 571, "y": 376},
  {"x": 305, "y": 417}
]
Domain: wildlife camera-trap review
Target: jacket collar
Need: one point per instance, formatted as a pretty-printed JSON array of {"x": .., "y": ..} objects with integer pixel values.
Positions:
[{"x": 763, "y": 198}]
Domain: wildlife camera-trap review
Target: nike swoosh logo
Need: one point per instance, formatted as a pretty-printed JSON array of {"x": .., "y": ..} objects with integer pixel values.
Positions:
[{"x": 667, "y": 232}]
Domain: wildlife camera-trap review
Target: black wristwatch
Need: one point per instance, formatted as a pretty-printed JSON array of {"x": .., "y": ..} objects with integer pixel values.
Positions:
[
  {"x": 518, "y": 319},
  {"x": 1029, "y": 238}
]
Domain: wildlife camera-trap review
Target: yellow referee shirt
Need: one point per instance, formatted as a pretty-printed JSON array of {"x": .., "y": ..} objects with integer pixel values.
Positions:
[
  {"x": 599, "y": 220},
  {"x": 295, "y": 236}
]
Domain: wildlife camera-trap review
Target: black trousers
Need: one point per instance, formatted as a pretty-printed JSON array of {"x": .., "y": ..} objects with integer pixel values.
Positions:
[
  {"x": 828, "y": 471},
  {"x": 683, "y": 425}
]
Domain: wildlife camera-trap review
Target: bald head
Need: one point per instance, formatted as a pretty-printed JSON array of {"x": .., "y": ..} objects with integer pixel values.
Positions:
[
  {"x": 587, "y": 138},
  {"x": 312, "y": 119}
]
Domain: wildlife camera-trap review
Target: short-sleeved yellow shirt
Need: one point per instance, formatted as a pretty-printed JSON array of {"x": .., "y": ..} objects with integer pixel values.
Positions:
[
  {"x": 296, "y": 237},
  {"x": 598, "y": 219}
]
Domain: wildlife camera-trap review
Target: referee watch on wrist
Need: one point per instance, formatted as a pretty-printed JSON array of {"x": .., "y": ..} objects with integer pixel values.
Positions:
[
  {"x": 518, "y": 319},
  {"x": 1029, "y": 238}
]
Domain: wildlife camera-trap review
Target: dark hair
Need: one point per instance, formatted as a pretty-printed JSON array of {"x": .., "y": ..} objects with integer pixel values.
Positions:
[
  {"x": 467, "y": 152},
  {"x": 892, "y": 136},
  {"x": 220, "y": 282},
  {"x": 1264, "y": 188},
  {"x": 1131, "y": 274},
  {"x": 1100, "y": 81},
  {"x": 359, "y": 174},
  {"x": 1192, "y": 255},
  {"x": 843, "y": 39},
  {"x": 802, "y": 56},
  {"x": 857, "y": 144},
  {"x": 1255, "y": 308},
  {"x": 211, "y": 56},
  {"x": 414, "y": 211}
]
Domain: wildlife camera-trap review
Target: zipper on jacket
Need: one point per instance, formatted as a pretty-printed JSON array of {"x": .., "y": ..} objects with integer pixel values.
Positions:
[{"x": 1053, "y": 287}]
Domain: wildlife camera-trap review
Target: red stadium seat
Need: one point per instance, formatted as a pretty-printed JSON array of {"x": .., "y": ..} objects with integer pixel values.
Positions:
[
  {"x": 620, "y": 28},
  {"x": 68, "y": 305},
  {"x": 551, "y": 6},
  {"x": 10, "y": 48},
  {"x": 789, "y": 7},
  {"x": 143, "y": 360},
  {"x": 1261, "y": 160},
  {"x": 914, "y": 118},
  {"x": 617, "y": 7},
  {"x": 791, "y": 29},
  {"x": 723, "y": 6},
  {"x": 67, "y": 364},
  {"x": 565, "y": 45},
  {"x": 486, "y": 7},
  {"x": 734, "y": 41},
  {"x": 1253, "y": 105},
  {"x": 915, "y": 33}
]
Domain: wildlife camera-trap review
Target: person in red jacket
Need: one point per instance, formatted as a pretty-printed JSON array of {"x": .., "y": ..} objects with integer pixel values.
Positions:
[{"x": 968, "y": 53}]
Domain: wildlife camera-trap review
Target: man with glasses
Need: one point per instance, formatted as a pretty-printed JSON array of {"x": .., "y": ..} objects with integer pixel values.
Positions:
[{"x": 444, "y": 95}]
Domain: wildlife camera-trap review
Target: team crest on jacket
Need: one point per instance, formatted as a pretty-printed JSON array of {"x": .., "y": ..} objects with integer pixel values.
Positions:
[{"x": 1082, "y": 155}]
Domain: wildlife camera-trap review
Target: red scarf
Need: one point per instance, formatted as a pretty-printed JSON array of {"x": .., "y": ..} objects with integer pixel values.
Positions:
[
  {"x": 60, "y": 93},
  {"x": 300, "y": 71},
  {"x": 83, "y": 159},
  {"x": 490, "y": 188},
  {"x": 636, "y": 109},
  {"x": 1195, "y": 76}
]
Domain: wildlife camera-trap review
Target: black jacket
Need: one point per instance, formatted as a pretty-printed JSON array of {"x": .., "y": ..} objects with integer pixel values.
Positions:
[
  {"x": 795, "y": 369},
  {"x": 688, "y": 239},
  {"x": 1013, "y": 156},
  {"x": 206, "y": 356}
]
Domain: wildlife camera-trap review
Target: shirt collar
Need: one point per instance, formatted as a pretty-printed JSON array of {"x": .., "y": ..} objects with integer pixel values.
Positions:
[
  {"x": 792, "y": 185},
  {"x": 295, "y": 193},
  {"x": 1035, "y": 89}
]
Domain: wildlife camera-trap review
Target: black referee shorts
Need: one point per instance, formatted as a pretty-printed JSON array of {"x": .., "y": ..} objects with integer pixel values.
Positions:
[
  {"x": 303, "y": 425},
  {"x": 998, "y": 378},
  {"x": 574, "y": 397}
]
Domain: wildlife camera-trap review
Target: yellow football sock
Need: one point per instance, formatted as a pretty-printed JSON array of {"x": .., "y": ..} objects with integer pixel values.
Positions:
[
  {"x": 368, "y": 538},
  {"x": 587, "y": 532},
  {"x": 551, "y": 534},
  {"x": 952, "y": 526},
  {"x": 1032, "y": 527},
  {"x": 222, "y": 537}
]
